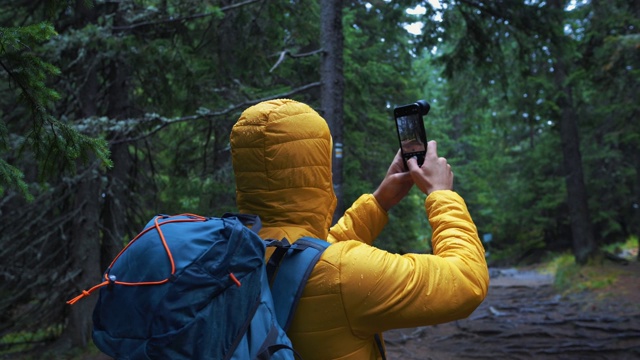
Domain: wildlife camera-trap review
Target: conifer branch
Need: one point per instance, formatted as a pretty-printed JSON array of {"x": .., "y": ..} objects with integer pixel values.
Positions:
[
  {"x": 202, "y": 114},
  {"x": 285, "y": 53},
  {"x": 55, "y": 144},
  {"x": 188, "y": 17}
]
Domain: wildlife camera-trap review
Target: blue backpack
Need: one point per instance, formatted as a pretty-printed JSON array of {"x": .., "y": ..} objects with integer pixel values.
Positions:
[{"x": 190, "y": 287}]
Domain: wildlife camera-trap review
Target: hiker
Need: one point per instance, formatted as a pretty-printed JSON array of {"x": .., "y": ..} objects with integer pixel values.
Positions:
[{"x": 281, "y": 153}]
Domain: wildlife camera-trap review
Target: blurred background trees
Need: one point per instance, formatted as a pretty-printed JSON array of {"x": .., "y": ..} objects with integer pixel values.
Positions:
[{"x": 112, "y": 112}]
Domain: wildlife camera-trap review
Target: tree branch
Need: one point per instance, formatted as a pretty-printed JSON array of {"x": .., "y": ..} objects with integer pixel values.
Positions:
[
  {"x": 189, "y": 17},
  {"x": 205, "y": 113},
  {"x": 287, "y": 52}
]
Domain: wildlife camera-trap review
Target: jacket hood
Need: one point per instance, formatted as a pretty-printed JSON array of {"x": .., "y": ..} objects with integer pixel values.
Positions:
[{"x": 281, "y": 155}]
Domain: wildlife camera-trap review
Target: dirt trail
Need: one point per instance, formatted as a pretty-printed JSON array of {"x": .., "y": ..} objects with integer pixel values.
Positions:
[{"x": 524, "y": 317}]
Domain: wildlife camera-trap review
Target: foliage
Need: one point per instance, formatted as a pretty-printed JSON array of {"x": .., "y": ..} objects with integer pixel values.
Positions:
[
  {"x": 379, "y": 76},
  {"x": 505, "y": 127},
  {"x": 26, "y": 339},
  {"x": 571, "y": 278},
  {"x": 54, "y": 142},
  {"x": 625, "y": 250}
]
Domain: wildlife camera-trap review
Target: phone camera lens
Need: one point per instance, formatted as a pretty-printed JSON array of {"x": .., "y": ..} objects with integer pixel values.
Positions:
[{"x": 424, "y": 107}]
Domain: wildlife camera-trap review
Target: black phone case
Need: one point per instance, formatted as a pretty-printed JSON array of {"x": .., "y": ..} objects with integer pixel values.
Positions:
[{"x": 415, "y": 115}]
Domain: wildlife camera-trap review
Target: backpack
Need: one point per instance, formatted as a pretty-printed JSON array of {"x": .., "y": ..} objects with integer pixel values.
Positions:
[{"x": 193, "y": 287}]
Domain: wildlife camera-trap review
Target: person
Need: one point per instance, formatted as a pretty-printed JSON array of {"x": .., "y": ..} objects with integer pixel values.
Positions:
[{"x": 281, "y": 155}]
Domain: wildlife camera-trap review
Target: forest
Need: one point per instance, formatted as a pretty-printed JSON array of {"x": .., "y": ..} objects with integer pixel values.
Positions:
[{"x": 113, "y": 111}]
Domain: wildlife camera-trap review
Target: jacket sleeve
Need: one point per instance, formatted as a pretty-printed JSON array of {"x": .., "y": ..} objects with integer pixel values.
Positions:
[
  {"x": 363, "y": 222},
  {"x": 382, "y": 291}
]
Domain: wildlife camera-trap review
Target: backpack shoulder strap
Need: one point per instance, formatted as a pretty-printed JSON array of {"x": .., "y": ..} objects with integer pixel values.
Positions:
[
  {"x": 291, "y": 265},
  {"x": 291, "y": 275}
]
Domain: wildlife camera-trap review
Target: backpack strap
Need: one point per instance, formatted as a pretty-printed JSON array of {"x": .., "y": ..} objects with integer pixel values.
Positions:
[
  {"x": 380, "y": 344},
  {"x": 281, "y": 249},
  {"x": 289, "y": 269},
  {"x": 266, "y": 351},
  {"x": 291, "y": 275}
]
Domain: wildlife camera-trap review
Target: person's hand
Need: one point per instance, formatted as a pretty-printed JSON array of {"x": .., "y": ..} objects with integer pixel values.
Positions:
[
  {"x": 434, "y": 174},
  {"x": 395, "y": 185}
]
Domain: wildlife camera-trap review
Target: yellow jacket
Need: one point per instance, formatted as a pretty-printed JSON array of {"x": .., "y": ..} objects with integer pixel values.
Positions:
[{"x": 281, "y": 151}]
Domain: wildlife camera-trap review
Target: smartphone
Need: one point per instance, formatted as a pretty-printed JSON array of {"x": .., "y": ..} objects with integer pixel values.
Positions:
[{"x": 411, "y": 133}]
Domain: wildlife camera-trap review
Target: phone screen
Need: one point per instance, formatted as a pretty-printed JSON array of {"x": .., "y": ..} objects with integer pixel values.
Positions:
[{"x": 411, "y": 132}]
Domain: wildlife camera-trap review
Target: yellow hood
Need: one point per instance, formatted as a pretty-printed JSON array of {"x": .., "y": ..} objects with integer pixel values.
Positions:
[{"x": 281, "y": 154}]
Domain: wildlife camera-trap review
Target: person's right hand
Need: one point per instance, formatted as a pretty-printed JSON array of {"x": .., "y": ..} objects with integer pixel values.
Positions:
[{"x": 434, "y": 174}]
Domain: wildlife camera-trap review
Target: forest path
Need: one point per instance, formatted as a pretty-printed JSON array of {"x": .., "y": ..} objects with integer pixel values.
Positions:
[{"x": 524, "y": 317}]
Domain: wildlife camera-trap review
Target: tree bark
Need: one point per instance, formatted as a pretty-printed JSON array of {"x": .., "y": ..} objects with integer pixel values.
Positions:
[
  {"x": 97, "y": 236},
  {"x": 332, "y": 92},
  {"x": 84, "y": 238},
  {"x": 117, "y": 193},
  {"x": 584, "y": 244},
  {"x": 635, "y": 203},
  {"x": 84, "y": 250},
  {"x": 116, "y": 204}
]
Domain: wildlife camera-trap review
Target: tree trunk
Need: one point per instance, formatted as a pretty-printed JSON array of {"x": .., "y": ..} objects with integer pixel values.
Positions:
[
  {"x": 117, "y": 193},
  {"x": 635, "y": 203},
  {"x": 584, "y": 244},
  {"x": 332, "y": 92},
  {"x": 97, "y": 236},
  {"x": 85, "y": 238},
  {"x": 85, "y": 252},
  {"x": 116, "y": 203}
]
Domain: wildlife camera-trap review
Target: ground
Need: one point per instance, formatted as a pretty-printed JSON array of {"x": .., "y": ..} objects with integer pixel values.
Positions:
[{"x": 525, "y": 317}]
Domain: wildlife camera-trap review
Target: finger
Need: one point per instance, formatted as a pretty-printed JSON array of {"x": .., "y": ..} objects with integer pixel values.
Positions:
[
  {"x": 397, "y": 165},
  {"x": 432, "y": 148},
  {"x": 398, "y": 156},
  {"x": 412, "y": 164}
]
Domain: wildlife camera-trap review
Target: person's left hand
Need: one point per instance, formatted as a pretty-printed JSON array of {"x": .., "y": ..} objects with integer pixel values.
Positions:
[{"x": 395, "y": 185}]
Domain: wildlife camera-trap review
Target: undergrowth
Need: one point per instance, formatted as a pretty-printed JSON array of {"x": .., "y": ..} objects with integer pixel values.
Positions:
[{"x": 573, "y": 278}]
